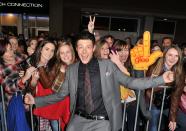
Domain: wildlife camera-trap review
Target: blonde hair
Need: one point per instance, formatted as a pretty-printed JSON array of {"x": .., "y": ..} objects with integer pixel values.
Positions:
[
  {"x": 63, "y": 43},
  {"x": 99, "y": 45}
]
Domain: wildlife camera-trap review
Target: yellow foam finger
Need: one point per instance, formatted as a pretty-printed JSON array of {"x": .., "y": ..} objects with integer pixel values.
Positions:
[
  {"x": 146, "y": 43},
  {"x": 154, "y": 56},
  {"x": 140, "y": 50},
  {"x": 135, "y": 51}
]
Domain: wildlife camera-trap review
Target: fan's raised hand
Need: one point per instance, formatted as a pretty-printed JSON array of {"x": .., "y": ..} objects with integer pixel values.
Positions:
[{"x": 91, "y": 24}]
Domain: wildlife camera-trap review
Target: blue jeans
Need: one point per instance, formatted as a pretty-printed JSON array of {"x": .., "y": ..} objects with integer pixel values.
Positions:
[
  {"x": 54, "y": 125},
  {"x": 181, "y": 119},
  {"x": 153, "y": 125}
]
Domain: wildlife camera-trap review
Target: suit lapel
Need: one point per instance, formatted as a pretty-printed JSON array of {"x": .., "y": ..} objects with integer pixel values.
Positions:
[
  {"x": 102, "y": 73},
  {"x": 73, "y": 87},
  {"x": 75, "y": 78}
]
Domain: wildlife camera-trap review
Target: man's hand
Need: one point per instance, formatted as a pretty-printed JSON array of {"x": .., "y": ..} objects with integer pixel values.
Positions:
[
  {"x": 168, "y": 76},
  {"x": 29, "y": 99},
  {"x": 140, "y": 55},
  {"x": 91, "y": 24},
  {"x": 172, "y": 126}
]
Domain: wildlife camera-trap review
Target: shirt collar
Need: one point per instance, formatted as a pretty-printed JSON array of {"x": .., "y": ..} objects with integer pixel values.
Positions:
[{"x": 91, "y": 62}]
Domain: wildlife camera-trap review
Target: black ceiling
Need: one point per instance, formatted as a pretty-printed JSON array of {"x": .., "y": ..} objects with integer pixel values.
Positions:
[
  {"x": 160, "y": 6},
  {"x": 156, "y": 6}
]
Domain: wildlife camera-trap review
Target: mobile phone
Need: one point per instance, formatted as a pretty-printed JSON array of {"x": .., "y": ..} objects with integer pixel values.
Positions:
[{"x": 113, "y": 49}]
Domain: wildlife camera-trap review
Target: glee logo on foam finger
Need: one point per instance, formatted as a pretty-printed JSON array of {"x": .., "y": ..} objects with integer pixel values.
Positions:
[{"x": 141, "y": 59}]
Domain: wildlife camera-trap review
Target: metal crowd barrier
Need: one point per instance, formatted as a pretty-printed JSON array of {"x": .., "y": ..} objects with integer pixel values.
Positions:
[
  {"x": 4, "y": 126},
  {"x": 150, "y": 106},
  {"x": 137, "y": 110},
  {"x": 3, "y": 118},
  {"x": 124, "y": 115},
  {"x": 32, "y": 120}
]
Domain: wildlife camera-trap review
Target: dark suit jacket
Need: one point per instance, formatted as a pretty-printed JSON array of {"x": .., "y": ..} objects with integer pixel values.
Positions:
[{"x": 111, "y": 78}]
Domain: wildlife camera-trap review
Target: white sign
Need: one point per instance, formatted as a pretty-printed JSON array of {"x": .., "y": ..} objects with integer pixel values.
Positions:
[{"x": 25, "y": 5}]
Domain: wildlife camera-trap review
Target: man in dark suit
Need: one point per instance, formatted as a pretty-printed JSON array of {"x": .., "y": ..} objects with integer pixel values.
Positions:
[{"x": 104, "y": 106}]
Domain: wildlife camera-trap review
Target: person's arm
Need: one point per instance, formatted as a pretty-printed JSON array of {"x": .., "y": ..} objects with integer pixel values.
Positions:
[
  {"x": 142, "y": 83},
  {"x": 8, "y": 78},
  {"x": 51, "y": 99},
  {"x": 13, "y": 82}
]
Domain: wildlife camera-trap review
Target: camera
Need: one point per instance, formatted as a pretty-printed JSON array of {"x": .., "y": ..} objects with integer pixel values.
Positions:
[{"x": 25, "y": 64}]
